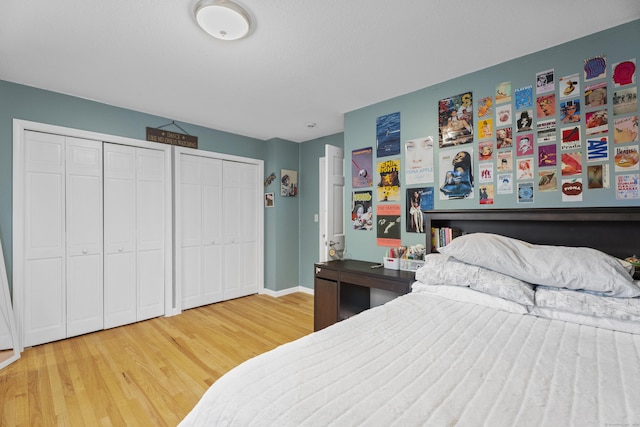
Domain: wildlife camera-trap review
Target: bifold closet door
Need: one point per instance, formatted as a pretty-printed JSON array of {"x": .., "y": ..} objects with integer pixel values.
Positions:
[
  {"x": 134, "y": 234},
  {"x": 201, "y": 241},
  {"x": 240, "y": 203},
  {"x": 63, "y": 287}
]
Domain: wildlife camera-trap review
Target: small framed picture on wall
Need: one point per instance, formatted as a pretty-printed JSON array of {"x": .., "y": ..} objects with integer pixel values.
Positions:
[
  {"x": 269, "y": 200},
  {"x": 288, "y": 183}
]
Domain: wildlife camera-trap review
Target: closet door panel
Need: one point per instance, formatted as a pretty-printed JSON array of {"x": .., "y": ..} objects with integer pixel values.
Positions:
[
  {"x": 44, "y": 215},
  {"x": 84, "y": 294},
  {"x": 120, "y": 289},
  {"x": 212, "y": 236},
  {"x": 212, "y": 284},
  {"x": 234, "y": 263},
  {"x": 45, "y": 308},
  {"x": 150, "y": 297},
  {"x": 191, "y": 276}
]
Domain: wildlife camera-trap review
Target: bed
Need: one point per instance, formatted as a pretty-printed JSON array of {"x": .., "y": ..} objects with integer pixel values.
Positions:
[{"x": 498, "y": 330}]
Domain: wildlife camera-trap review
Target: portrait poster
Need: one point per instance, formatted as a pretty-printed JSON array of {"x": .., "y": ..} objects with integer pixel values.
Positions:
[
  {"x": 456, "y": 173},
  {"x": 504, "y": 138},
  {"x": 485, "y": 150},
  {"x": 419, "y": 160},
  {"x": 547, "y": 156},
  {"x": 388, "y": 173},
  {"x": 485, "y": 107},
  {"x": 524, "y": 145},
  {"x": 505, "y": 161},
  {"x": 625, "y": 101},
  {"x": 485, "y": 128},
  {"x": 288, "y": 183},
  {"x": 524, "y": 97},
  {"x": 525, "y": 120},
  {"x": 595, "y": 95},
  {"x": 570, "y": 111},
  {"x": 625, "y": 130},
  {"x": 627, "y": 187},
  {"x": 388, "y": 135},
  {"x": 569, "y": 86},
  {"x": 596, "y": 122},
  {"x": 624, "y": 72},
  {"x": 524, "y": 169},
  {"x": 362, "y": 167},
  {"x": 455, "y": 120},
  {"x": 545, "y": 82},
  {"x": 572, "y": 190},
  {"x": 598, "y": 176},
  {"x": 362, "y": 210},
  {"x": 547, "y": 180},
  {"x": 546, "y": 106},
  {"x": 503, "y": 115},
  {"x": 503, "y": 92},
  {"x": 388, "y": 225},
  {"x": 595, "y": 68},
  {"x": 418, "y": 200}
]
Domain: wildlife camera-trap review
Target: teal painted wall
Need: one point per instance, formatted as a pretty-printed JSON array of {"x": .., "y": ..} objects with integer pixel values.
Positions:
[
  {"x": 310, "y": 153},
  {"x": 419, "y": 118}
]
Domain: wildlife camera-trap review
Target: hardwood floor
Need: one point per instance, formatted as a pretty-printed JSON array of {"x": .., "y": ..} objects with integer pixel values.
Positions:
[{"x": 149, "y": 373}]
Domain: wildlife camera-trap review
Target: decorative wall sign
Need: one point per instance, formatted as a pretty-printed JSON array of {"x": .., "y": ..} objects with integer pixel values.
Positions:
[{"x": 171, "y": 138}]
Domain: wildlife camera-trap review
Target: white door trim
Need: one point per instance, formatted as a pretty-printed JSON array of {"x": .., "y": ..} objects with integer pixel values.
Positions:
[{"x": 19, "y": 127}]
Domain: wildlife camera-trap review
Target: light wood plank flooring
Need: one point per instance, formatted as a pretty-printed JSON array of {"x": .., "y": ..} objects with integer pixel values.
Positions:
[{"x": 149, "y": 373}]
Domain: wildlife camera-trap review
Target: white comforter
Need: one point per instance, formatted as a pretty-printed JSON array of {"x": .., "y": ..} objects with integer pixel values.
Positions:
[{"x": 425, "y": 360}]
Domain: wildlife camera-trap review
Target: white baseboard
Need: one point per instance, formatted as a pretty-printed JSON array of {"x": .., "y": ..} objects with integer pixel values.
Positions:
[{"x": 284, "y": 292}]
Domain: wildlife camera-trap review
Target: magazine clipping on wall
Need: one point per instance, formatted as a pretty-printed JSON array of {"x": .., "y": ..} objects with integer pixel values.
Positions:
[
  {"x": 485, "y": 194},
  {"x": 625, "y": 101},
  {"x": 569, "y": 85},
  {"x": 597, "y": 149},
  {"x": 362, "y": 210},
  {"x": 362, "y": 167},
  {"x": 388, "y": 135},
  {"x": 523, "y": 97},
  {"x": 545, "y": 82},
  {"x": 456, "y": 173},
  {"x": 419, "y": 160},
  {"x": 388, "y": 226},
  {"x": 547, "y": 180},
  {"x": 388, "y": 172},
  {"x": 572, "y": 190},
  {"x": 503, "y": 92},
  {"x": 598, "y": 176},
  {"x": 418, "y": 200},
  {"x": 503, "y": 115},
  {"x": 546, "y": 130},
  {"x": 596, "y": 121},
  {"x": 455, "y": 120},
  {"x": 269, "y": 200},
  {"x": 288, "y": 183},
  {"x": 627, "y": 187},
  {"x": 595, "y": 68},
  {"x": 485, "y": 107},
  {"x": 625, "y": 129},
  {"x": 624, "y": 72}
]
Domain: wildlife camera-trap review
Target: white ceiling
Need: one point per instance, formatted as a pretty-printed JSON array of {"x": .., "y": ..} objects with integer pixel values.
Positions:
[{"x": 305, "y": 60}]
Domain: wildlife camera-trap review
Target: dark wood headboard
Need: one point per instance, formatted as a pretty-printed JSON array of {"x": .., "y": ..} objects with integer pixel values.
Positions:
[{"x": 615, "y": 231}]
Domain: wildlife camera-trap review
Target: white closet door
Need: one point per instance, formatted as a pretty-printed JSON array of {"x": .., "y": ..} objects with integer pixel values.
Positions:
[
  {"x": 84, "y": 236},
  {"x": 44, "y": 289},
  {"x": 240, "y": 225},
  {"x": 150, "y": 239},
  {"x": 212, "y": 236},
  {"x": 190, "y": 244},
  {"x": 119, "y": 235}
]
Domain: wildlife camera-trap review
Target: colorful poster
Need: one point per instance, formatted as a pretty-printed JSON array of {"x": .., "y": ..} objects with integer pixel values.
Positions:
[
  {"x": 545, "y": 106},
  {"x": 525, "y": 169},
  {"x": 595, "y": 95},
  {"x": 388, "y": 226},
  {"x": 627, "y": 187},
  {"x": 485, "y": 150},
  {"x": 388, "y": 135},
  {"x": 597, "y": 122},
  {"x": 504, "y": 138},
  {"x": 388, "y": 172},
  {"x": 503, "y": 115},
  {"x": 525, "y": 192},
  {"x": 362, "y": 167},
  {"x": 571, "y": 163},
  {"x": 362, "y": 210},
  {"x": 417, "y": 198},
  {"x": 572, "y": 190},
  {"x": 288, "y": 183},
  {"x": 547, "y": 180},
  {"x": 569, "y": 86},
  {"x": 486, "y": 172},
  {"x": 545, "y": 81},
  {"x": 570, "y": 138},
  {"x": 456, "y": 174},
  {"x": 626, "y": 158},
  {"x": 524, "y": 97},
  {"x": 455, "y": 118},
  {"x": 624, "y": 73},
  {"x": 625, "y": 101},
  {"x": 595, "y": 68},
  {"x": 485, "y": 107},
  {"x": 419, "y": 160},
  {"x": 485, "y": 128},
  {"x": 524, "y": 145},
  {"x": 570, "y": 111},
  {"x": 597, "y": 149},
  {"x": 546, "y": 130},
  {"x": 485, "y": 194},
  {"x": 625, "y": 130},
  {"x": 598, "y": 176},
  {"x": 547, "y": 156},
  {"x": 503, "y": 92}
]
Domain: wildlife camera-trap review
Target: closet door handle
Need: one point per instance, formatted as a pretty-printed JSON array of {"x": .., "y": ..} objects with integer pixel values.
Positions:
[
  {"x": 120, "y": 249},
  {"x": 84, "y": 251}
]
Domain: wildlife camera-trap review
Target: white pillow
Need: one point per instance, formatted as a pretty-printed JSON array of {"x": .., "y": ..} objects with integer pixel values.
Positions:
[
  {"x": 558, "y": 266},
  {"x": 441, "y": 269},
  {"x": 465, "y": 294},
  {"x": 580, "y": 302},
  {"x": 583, "y": 319}
]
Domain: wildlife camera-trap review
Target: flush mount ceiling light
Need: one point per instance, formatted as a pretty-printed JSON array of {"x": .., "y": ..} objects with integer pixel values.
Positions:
[{"x": 222, "y": 19}]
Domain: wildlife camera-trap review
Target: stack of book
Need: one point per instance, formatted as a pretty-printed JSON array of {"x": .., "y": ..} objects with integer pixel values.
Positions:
[{"x": 442, "y": 236}]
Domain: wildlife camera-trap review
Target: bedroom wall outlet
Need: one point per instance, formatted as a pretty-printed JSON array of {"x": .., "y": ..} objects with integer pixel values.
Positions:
[{"x": 315, "y": 217}]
